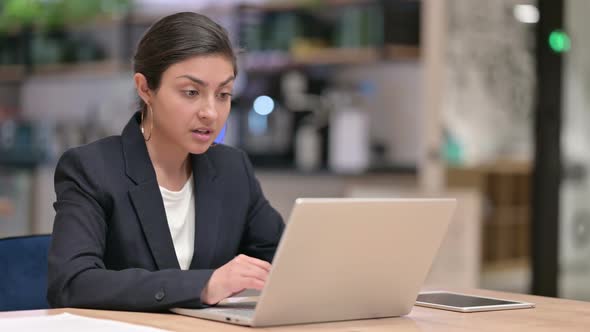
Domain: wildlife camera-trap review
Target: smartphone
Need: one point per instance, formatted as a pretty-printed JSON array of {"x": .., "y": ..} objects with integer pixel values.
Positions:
[{"x": 467, "y": 303}]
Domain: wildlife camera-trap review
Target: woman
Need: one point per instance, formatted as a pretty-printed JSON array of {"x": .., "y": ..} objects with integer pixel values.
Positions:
[{"x": 159, "y": 217}]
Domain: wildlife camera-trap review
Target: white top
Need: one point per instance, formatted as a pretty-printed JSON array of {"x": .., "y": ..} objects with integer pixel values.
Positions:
[{"x": 180, "y": 212}]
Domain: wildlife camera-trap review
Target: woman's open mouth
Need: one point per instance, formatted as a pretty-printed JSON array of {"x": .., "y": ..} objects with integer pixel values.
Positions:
[{"x": 202, "y": 134}]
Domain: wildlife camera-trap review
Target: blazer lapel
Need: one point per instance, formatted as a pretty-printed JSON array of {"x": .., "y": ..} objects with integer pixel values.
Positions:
[
  {"x": 207, "y": 209},
  {"x": 146, "y": 196}
]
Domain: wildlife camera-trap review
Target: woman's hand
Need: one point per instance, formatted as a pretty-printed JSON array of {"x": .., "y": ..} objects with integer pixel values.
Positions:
[{"x": 242, "y": 272}]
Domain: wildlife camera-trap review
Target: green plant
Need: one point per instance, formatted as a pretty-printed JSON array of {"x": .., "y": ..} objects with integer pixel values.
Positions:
[{"x": 16, "y": 14}]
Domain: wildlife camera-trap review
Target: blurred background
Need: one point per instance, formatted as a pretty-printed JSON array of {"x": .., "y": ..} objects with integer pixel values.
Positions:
[{"x": 486, "y": 101}]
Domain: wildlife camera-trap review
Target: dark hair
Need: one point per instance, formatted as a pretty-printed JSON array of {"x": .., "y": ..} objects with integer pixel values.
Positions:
[{"x": 175, "y": 38}]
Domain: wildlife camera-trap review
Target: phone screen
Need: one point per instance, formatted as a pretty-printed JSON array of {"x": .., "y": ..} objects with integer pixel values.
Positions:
[{"x": 458, "y": 300}]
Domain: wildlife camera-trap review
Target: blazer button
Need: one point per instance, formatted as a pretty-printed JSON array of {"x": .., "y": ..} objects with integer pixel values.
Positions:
[{"x": 160, "y": 295}]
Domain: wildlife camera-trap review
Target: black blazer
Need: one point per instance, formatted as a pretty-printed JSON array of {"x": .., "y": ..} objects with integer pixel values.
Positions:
[{"x": 111, "y": 246}]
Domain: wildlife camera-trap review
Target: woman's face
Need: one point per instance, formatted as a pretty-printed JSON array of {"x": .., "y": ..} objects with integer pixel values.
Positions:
[{"x": 193, "y": 102}]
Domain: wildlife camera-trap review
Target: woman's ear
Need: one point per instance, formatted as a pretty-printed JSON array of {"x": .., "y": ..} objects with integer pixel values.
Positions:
[{"x": 143, "y": 90}]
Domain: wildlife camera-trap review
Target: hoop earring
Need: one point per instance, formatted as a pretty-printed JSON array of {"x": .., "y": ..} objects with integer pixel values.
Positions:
[{"x": 152, "y": 125}]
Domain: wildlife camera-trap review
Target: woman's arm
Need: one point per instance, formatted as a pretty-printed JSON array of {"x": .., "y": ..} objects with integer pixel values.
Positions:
[
  {"x": 77, "y": 276},
  {"x": 264, "y": 225}
]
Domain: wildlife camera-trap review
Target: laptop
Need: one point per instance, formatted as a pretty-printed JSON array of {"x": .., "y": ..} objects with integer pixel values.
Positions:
[{"x": 344, "y": 259}]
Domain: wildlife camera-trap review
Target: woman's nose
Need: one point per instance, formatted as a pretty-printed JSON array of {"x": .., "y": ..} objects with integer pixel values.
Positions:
[{"x": 208, "y": 111}]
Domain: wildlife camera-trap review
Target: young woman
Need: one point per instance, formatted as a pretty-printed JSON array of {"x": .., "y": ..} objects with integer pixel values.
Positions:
[{"x": 160, "y": 217}]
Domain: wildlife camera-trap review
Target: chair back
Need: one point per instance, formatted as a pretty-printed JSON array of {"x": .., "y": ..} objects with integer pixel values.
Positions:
[{"x": 23, "y": 272}]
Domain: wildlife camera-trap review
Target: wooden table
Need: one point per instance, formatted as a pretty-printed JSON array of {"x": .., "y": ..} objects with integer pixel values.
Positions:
[{"x": 549, "y": 315}]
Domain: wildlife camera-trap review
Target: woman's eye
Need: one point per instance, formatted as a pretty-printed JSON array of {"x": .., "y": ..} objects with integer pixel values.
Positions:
[
  {"x": 191, "y": 93},
  {"x": 225, "y": 95}
]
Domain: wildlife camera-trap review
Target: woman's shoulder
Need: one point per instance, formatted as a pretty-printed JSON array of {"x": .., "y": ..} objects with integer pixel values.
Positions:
[
  {"x": 94, "y": 167},
  {"x": 103, "y": 148},
  {"x": 95, "y": 157}
]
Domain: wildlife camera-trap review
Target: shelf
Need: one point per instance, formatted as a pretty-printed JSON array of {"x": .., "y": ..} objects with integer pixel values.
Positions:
[
  {"x": 295, "y": 5},
  {"x": 509, "y": 264},
  {"x": 502, "y": 166},
  {"x": 336, "y": 56},
  {"x": 402, "y": 52},
  {"x": 12, "y": 73},
  {"x": 98, "y": 67},
  {"x": 275, "y": 60},
  {"x": 101, "y": 21},
  {"x": 291, "y": 5},
  {"x": 17, "y": 73},
  {"x": 255, "y": 61}
]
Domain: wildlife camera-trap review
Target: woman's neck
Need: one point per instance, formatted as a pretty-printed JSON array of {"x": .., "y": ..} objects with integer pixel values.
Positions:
[{"x": 171, "y": 163}]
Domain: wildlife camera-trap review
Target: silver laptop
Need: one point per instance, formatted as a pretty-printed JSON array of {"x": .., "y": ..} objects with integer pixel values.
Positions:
[{"x": 344, "y": 259}]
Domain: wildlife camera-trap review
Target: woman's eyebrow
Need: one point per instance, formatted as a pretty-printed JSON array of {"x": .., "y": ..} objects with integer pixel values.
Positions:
[
  {"x": 194, "y": 79},
  {"x": 229, "y": 79},
  {"x": 202, "y": 82}
]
